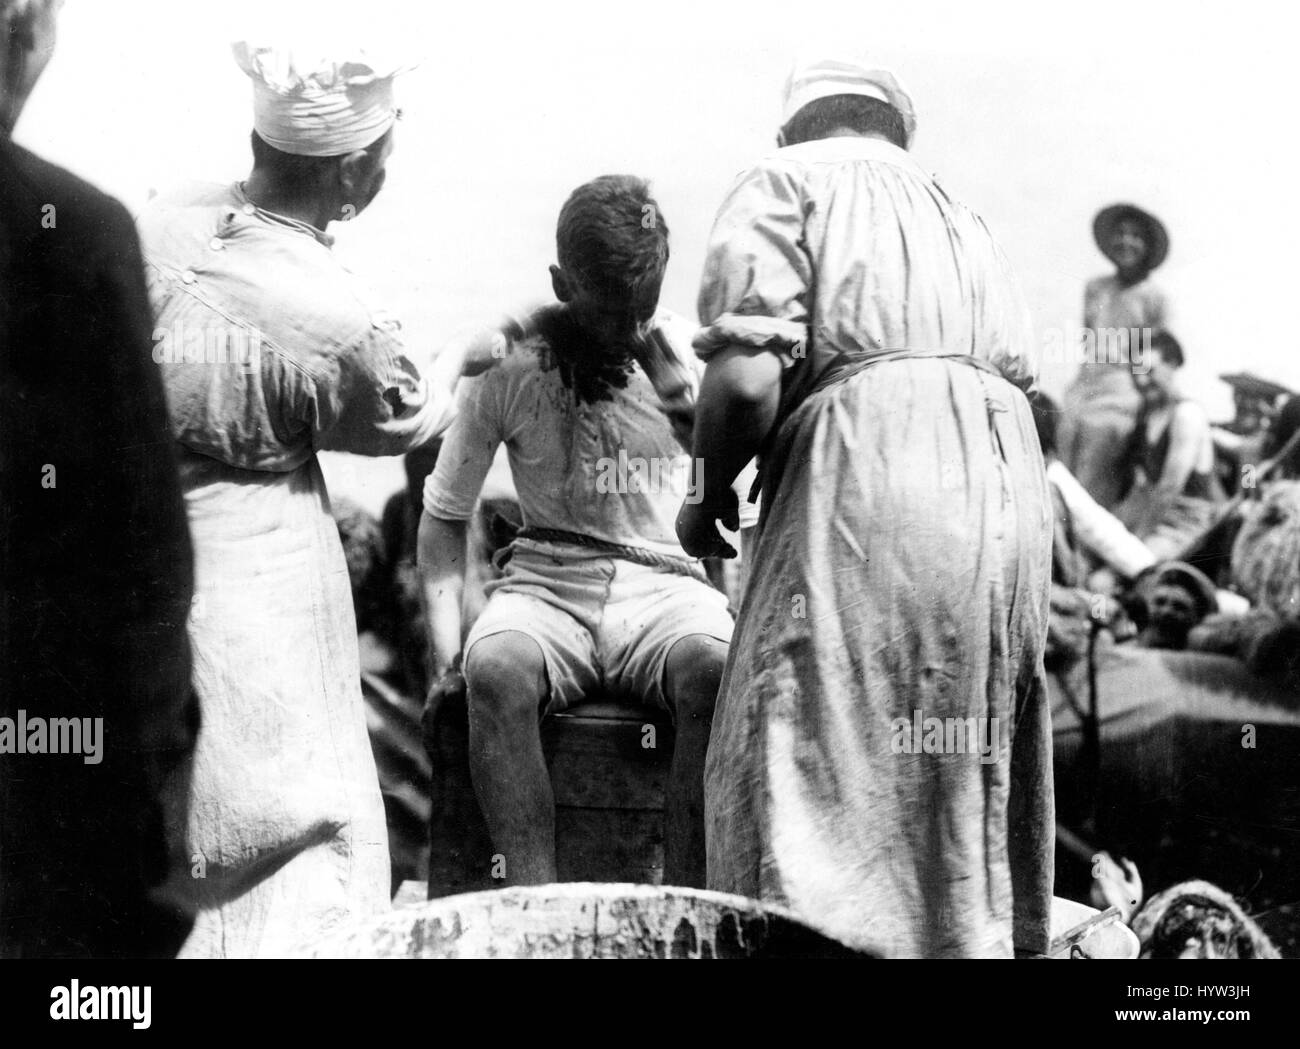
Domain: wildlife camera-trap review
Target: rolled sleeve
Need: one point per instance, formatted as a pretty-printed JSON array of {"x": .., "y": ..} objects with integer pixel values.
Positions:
[
  {"x": 452, "y": 490},
  {"x": 756, "y": 263},
  {"x": 378, "y": 403}
]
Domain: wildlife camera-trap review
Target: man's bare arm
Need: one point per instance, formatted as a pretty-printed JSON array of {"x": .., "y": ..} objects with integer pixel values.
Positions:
[
  {"x": 442, "y": 553},
  {"x": 739, "y": 397},
  {"x": 738, "y": 402},
  {"x": 1187, "y": 429}
]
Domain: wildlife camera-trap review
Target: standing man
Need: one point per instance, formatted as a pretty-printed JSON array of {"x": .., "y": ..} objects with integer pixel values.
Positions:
[
  {"x": 271, "y": 353},
  {"x": 881, "y": 754},
  {"x": 95, "y": 561}
]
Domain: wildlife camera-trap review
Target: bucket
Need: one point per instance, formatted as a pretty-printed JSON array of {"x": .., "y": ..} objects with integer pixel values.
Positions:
[
  {"x": 586, "y": 920},
  {"x": 1110, "y": 941}
]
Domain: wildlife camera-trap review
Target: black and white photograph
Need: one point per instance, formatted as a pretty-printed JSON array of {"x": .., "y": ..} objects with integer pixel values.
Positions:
[{"x": 713, "y": 481}]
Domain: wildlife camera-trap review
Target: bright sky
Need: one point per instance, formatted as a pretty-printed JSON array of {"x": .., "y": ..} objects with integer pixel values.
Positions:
[{"x": 1033, "y": 116}]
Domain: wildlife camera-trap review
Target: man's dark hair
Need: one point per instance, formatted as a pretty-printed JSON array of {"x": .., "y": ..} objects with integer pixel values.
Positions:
[
  {"x": 613, "y": 239},
  {"x": 824, "y": 116},
  {"x": 1169, "y": 348},
  {"x": 289, "y": 169}
]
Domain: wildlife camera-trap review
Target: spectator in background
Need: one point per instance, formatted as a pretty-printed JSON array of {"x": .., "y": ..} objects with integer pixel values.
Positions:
[
  {"x": 1084, "y": 533},
  {"x": 95, "y": 559},
  {"x": 1175, "y": 491},
  {"x": 1241, "y": 443},
  {"x": 1260, "y": 546},
  {"x": 1101, "y": 406}
]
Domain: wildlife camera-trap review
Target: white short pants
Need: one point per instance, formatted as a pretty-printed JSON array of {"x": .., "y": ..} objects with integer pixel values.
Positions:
[{"x": 603, "y": 624}]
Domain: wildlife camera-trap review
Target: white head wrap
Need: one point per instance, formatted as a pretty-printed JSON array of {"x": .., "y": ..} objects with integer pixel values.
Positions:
[
  {"x": 821, "y": 77},
  {"x": 314, "y": 104}
]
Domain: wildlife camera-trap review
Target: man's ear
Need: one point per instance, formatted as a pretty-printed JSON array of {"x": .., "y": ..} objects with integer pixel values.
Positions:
[
  {"x": 561, "y": 285},
  {"x": 352, "y": 171}
]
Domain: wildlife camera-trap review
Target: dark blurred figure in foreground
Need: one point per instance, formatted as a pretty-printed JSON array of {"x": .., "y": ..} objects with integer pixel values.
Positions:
[{"x": 95, "y": 563}]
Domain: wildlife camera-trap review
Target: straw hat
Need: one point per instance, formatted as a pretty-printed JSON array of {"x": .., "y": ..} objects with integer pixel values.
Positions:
[{"x": 1156, "y": 237}]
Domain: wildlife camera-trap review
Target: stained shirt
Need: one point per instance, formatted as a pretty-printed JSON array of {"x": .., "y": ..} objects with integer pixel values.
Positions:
[
  {"x": 271, "y": 350},
  {"x": 612, "y": 470}
]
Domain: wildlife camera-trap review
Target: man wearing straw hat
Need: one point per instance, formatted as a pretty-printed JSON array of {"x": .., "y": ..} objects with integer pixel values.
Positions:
[
  {"x": 881, "y": 756},
  {"x": 271, "y": 352},
  {"x": 1121, "y": 313}
]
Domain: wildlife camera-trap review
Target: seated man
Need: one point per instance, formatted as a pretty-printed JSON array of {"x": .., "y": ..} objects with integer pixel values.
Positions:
[
  {"x": 592, "y": 400},
  {"x": 1168, "y": 601},
  {"x": 1176, "y": 492},
  {"x": 1240, "y": 444}
]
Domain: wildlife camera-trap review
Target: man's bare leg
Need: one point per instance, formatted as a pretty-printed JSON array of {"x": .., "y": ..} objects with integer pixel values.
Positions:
[
  {"x": 691, "y": 679},
  {"x": 505, "y": 677}
]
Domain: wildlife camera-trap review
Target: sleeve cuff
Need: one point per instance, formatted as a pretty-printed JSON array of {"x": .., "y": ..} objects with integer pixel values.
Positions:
[
  {"x": 436, "y": 504},
  {"x": 772, "y": 334}
]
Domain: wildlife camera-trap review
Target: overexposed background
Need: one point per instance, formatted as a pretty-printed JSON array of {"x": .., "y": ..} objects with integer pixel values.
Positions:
[{"x": 1035, "y": 117}]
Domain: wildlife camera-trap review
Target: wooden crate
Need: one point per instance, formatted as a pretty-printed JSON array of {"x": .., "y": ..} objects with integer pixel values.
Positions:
[{"x": 609, "y": 766}]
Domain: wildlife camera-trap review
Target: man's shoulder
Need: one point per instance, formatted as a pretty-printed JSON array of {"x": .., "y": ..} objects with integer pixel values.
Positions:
[
  {"x": 189, "y": 202},
  {"x": 287, "y": 282},
  {"x": 787, "y": 163},
  {"x": 1189, "y": 412},
  {"x": 679, "y": 330},
  {"x": 528, "y": 358}
]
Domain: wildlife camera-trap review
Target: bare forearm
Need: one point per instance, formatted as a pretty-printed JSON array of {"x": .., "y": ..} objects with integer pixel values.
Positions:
[
  {"x": 442, "y": 553},
  {"x": 738, "y": 403}
]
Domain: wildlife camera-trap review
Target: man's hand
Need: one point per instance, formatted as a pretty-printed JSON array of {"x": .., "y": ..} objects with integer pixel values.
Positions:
[
  {"x": 1116, "y": 884},
  {"x": 697, "y": 525},
  {"x": 449, "y": 685}
]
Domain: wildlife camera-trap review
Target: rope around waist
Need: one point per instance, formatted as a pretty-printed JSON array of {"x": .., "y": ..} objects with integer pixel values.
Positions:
[{"x": 636, "y": 554}]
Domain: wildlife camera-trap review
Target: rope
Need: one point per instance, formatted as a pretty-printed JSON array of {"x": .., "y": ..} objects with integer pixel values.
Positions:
[{"x": 636, "y": 554}]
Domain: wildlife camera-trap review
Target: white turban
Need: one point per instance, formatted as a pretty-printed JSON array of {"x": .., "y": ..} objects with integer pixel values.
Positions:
[
  {"x": 811, "y": 79},
  {"x": 316, "y": 106}
]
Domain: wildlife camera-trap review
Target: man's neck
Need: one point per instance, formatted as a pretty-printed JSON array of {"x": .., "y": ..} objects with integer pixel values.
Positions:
[
  {"x": 1164, "y": 397},
  {"x": 1128, "y": 278},
  {"x": 848, "y": 132},
  {"x": 305, "y": 209}
]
